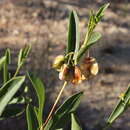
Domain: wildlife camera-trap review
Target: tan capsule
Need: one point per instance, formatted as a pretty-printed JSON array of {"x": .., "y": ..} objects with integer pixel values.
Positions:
[
  {"x": 77, "y": 76},
  {"x": 94, "y": 69},
  {"x": 58, "y": 62},
  {"x": 71, "y": 74},
  {"x": 67, "y": 73},
  {"x": 89, "y": 67}
]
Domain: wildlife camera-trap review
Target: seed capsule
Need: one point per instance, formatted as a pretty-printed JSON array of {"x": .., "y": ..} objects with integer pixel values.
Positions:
[
  {"x": 58, "y": 62},
  {"x": 94, "y": 69},
  {"x": 77, "y": 76},
  {"x": 71, "y": 74},
  {"x": 89, "y": 67},
  {"x": 67, "y": 73}
]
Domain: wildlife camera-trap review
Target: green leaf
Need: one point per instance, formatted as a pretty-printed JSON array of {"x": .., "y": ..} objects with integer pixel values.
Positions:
[
  {"x": 40, "y": 91},
  {"x": 20, "y": 57},
  {"x": 91, "y": 41},
  {"x": 18, "y": 100},
  {"x": 2, "y": 60},
  {"x": 74, "y": 123},
  {"x": 94, "y": 38},
  {"x": 23, "y": 54},
  {"x": 121, "y": 107},
  {"x": 6, "y": 62},
  {"x": 63, "y": 114},
  {"x": 73, "y": 34},
  {"x": 12, "y": 111},
  {"x": 91, "y": 37},
  {"x": 31, "y": 118},
  {"x": 36, "y": 112},
  {"x": 21, "y": 97},
  {"x": 101, "y": 11},
  {"x": 8, "y": 56},
  {"x": 95, "y": 18},
  {"x": 8, "y": 90},
  {"x": 77, "y": 35}
]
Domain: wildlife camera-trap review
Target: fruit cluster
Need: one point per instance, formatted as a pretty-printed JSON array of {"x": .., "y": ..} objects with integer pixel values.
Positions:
[{"x": 74, "y": 73}]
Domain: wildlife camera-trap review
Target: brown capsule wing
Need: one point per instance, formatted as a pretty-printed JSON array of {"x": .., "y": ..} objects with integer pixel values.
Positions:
[
  {"x": 94, "y": 69},
  {"x": 89, "y": 67},
  {"x": 77, "y": 76}
]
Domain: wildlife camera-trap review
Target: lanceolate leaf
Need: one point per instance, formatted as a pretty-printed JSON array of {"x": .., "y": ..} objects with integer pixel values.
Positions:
[
  {"x": 8, "y": 90},
  {"x": 23, "y": 54},
  {"x": 70, "y": 105},
  {"x": 77, "y": 35},
  {"x": 63, "y": 115},
  {"x": 12, "y": 111},
  {"x": 2, "y": 60},
  {"x": 18, "y": 100},
  {"x": 91, "y": 41},
  {"x": 74, "y": 123},
  {"x": 31, "y": 118},
  {"x": 101, "y": 11},
  {"x": 92, "y": 37},
  {"x": 6, "y": 62},
  {"x": 20, "y": 57},
  {"x": 121, "y": 107},
  {"x": 73, "y": 34},
  {"x": 8, "y": 56},
  {"x": 40, "y": 91}
]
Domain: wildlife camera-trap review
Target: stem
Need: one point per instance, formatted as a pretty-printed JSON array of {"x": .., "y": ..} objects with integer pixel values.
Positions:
[
  {"x": 53, "y": 107},
  {"x": 17, "y": 71}
]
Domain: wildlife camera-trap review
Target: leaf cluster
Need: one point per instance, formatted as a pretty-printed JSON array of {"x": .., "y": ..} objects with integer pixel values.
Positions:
[
  {"x": 60, "y": 118},
  {"x": 11, "y": 103},
  {"x": 122, "y": 106},
  {"x": 75, "y": 51}
]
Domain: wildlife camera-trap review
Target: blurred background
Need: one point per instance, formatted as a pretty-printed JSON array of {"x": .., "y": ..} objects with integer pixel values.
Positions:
[{"x": 44, "y": 24}]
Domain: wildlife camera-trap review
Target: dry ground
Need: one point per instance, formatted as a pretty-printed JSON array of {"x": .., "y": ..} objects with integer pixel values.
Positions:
[{"x": 45, "y": 26}]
